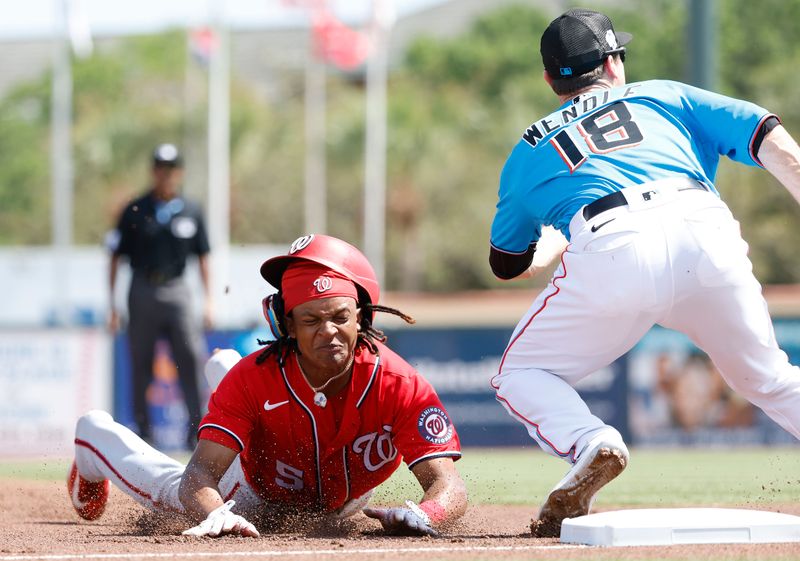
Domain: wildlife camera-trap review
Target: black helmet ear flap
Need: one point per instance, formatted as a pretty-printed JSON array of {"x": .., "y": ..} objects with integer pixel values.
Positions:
[{"x": 272, "y": 306}]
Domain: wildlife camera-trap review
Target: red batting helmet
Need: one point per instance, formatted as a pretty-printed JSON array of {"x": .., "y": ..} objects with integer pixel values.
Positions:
[{"x": 331, "y": 252}]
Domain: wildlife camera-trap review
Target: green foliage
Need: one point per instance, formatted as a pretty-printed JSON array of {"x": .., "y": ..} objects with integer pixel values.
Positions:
[
  {"x": 481, "y": 91},
  {"x": 266, "y": 171},
  {"x": 126, "y": 101},
  {"x": 659, "y": 46},
  {"x": 756, "y": 63},
  {"x": 491, "y": 76},
  {"x": 24, "y": 193},
  {"x": 122, "y": 101},
  {"x": 456, "y": 108},
  {"x": 499, "y": 49}
]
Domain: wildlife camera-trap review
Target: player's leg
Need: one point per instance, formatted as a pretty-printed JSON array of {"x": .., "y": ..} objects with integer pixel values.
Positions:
[
  {"x": 188, "y": 345},
  {"x": 552, "y": 411},
  {"x": 107, "y": 450},
  {"x": 218, "y": 365},
  {"x": 560, "y": 422},
  {"x": 143, "y": 331},
  {"x": 723, "y": 311},
  {"x": 597, "y": 307},
  {"x": 732, "y": 325}
]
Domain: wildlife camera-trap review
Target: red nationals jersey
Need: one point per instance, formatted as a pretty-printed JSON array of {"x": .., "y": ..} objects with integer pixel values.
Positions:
[{"x": 294, "y": 452}]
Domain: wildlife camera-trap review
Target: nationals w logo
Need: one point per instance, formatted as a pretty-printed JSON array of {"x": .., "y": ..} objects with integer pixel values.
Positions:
[
  {"x": 323, "y": 283},
  {"x": 378, "y": 450},
  {"x": 434, "y": 425}
]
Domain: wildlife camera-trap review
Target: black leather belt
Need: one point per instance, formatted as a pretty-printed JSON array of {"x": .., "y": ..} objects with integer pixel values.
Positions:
[{"x": 618, "y": 199}]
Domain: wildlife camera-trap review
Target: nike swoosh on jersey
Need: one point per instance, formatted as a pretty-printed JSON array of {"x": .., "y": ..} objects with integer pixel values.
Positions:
[
  {"x": 270, "y": 406},
  {"x": 596, "y": 227}
]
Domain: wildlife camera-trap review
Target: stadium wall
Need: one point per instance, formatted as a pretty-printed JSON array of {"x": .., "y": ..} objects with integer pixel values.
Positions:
[{"x": 663, "y": 392}]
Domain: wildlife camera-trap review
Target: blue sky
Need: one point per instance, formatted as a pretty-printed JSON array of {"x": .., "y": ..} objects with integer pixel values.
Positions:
[{"x": 23, "y": 19}]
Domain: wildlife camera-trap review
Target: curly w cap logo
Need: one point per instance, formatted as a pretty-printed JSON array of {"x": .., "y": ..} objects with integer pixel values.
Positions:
[
  {"x": 300, "y": 243},
  {"x": 305, "y": 280},
  {"x": 323, "y": 284}
]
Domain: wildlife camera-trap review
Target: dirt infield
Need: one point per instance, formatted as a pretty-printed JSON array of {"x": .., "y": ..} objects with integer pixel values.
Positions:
[{"x": 38, "y": 522}]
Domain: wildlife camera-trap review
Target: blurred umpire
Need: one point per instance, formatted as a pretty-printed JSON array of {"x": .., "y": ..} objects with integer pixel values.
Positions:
[{"x": 157, "y": 232}]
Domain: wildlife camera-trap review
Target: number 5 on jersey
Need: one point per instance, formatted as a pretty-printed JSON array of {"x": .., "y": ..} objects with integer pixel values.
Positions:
[{"x": 611, "y": 128}]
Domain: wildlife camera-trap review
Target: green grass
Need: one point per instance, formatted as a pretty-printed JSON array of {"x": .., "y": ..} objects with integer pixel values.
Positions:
[
  {"x": 45, "y": 470},
  {"x": 660, "y": 478}
]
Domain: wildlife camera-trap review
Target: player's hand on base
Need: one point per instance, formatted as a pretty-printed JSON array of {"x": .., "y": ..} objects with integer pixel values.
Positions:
[
  {"x": 221, "y": 521},
  {"x": 408, "y": 521}
]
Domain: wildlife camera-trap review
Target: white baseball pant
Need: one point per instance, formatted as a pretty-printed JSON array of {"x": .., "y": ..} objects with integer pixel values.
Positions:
[
  {"x": 676, "y": 259},
  {"x": 105, "y": 449}
]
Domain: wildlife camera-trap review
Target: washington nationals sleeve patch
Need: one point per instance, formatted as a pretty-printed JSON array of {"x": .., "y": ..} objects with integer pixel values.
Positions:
[{"x": 435, "y": 426}]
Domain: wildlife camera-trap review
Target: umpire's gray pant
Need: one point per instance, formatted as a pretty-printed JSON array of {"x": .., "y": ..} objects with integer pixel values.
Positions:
[{"x": 163, "y": 310}]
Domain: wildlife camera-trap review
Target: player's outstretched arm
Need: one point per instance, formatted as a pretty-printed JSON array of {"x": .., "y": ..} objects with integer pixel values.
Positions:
[
  {"x": 444, "y": 501},
  {"x": 511, "y": 267},
  {"x": 199, "y": 493},
  {"x": 443, "y": 486},
  {"x": 780, "y": 155}
]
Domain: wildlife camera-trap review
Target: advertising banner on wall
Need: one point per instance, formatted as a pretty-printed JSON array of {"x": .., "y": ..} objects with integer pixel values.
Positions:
[
  {"x": 459, "y": 362},
  {"x": 48, "y": 379},
  {"x": 664, "y": 392}
]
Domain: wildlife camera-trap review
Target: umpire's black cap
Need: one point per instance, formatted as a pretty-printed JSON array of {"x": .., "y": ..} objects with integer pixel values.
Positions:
[
  {"x": 167, "y": 155},
  {"x": 578, "y": 41}
]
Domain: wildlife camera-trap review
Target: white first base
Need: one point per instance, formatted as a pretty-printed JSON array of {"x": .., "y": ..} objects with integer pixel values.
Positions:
[{"x": 669, "y": 526}]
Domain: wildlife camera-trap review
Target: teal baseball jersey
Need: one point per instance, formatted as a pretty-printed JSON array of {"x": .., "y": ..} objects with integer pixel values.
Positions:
[{"x": 606, "y": 140}]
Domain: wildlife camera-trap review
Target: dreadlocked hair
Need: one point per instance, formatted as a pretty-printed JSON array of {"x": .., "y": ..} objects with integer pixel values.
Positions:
[
  {"x": 369, "y": 334},
  {"x": 283, "y": 345}
]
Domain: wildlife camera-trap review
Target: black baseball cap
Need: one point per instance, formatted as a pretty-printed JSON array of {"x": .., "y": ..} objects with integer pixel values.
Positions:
[
  {"x": 579, "y": 41},
  {"x": 167, "y": 155}
]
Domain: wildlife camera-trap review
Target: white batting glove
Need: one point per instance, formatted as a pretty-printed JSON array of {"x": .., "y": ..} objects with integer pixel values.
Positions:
[
  {"x": 222, "y": 521},
  {"x": 408, "y": 521}
]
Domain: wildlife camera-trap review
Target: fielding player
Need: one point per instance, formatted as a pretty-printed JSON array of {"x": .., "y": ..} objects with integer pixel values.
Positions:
[
  {"x": 626, "y": 173},
  {"x": 312, "y": 423}
]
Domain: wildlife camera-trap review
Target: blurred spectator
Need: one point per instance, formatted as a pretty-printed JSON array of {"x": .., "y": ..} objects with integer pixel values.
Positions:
[
  {"x": 157, "y": 232},
  {"x": 699, "y": 397}
]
